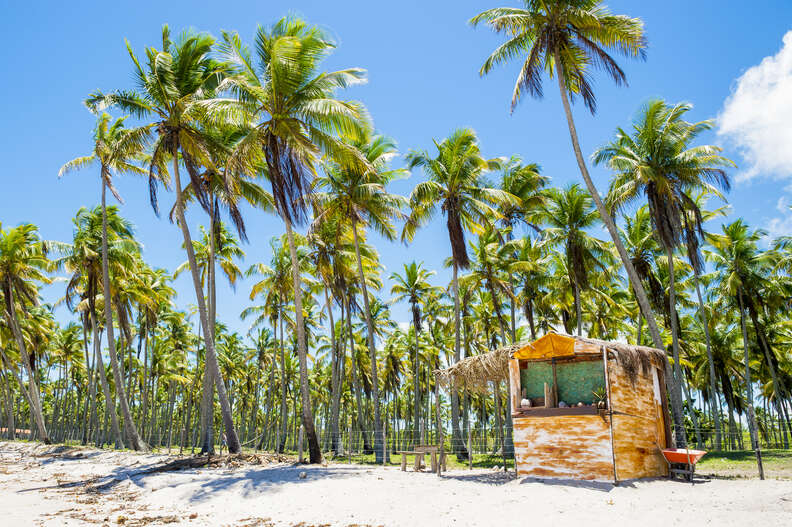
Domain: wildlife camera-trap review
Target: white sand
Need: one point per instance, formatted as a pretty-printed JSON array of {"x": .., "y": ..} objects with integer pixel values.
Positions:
[{"x": 38, "y": 488}]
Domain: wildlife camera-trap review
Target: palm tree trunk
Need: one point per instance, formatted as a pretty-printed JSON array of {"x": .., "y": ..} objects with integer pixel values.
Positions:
[
  {"x": 315, "y": 454},
  {"x": 710, "y": 361},
  {"x": 578, "y": 308},
  {"x": 335, "y": 381},
  {"x": 672, "y": 385},
  {"x": 100, "y": 371},
  {"x": 207, "y": 386},
  {"x": 211, "y": 356},
  {"x": 378, "y": 433},
  {"x": 749, "y": 390},
  {"x": 681, "y": 437},
  {"x": 778, "y": 388},
  {"x": 529, "y": 312},
  {"x": 130, "y": 430},
  {"x": 9, "y": 401},
  {"x": 284, "y": 408},
  {"x": 416, "y": 383},
  {"x": 456, "y": 435},
  {"x": 355, "y": 379},
  {"x": 144, "y": 389},
  {"x": 33, "y": 389}
]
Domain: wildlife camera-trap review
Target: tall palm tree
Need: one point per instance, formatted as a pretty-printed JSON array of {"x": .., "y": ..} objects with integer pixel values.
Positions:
[
  {"x": 644, "y": 251},
  {"x": 359, "y": 194},
  {"x": 413, "y": 286},
  {"x": 568, "y": 213},
  {"x": 296, "y": 118},
  {"x": 100, "y": 236},
  {"x": 567, "y": 38},
  {"x": 23, "y": 262},
  {"x": 693, "y": 236},
  {"x": 454, "y": 186},
  {"x": 273, "y": 285},
  {"x": 490, "y": 267},
  {"x": 739, "y": 262},
  {"x": 115, "y": 150},
  {"x": 656, "y": 160},
  {"x": 525, "y": 181},
  {"x": 174, "y": 87},
  {"x": 529, "y": 265},
  {"x": 217, "y": 247}
]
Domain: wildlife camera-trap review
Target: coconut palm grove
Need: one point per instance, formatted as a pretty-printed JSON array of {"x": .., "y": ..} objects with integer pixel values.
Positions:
[{"x": 331, "y": 347}]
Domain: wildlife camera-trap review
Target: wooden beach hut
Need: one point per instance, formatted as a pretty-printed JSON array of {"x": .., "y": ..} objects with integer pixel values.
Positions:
[
  {"x": 588, "y": 409},
  {"x": 581, "y": 408}
]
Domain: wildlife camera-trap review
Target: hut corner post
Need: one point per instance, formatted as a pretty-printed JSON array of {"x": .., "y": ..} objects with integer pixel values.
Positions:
[
  {"x": 440, "y": 435},
  {"x": 610, "y": 411}
]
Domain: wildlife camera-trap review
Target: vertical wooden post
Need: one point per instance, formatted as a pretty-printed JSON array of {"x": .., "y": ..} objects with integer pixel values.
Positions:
[
  {"x": 439, "y": 426},
  {"x": 349, "y": 444},
  {"x": 610, "y": 412},
  {"x": 300, "y": 445},
  {"x": 384, "y": 442},
  {"x": 470, "y": 448}
]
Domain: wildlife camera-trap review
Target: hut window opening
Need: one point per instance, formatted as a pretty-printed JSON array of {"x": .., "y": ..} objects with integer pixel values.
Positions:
[{"x": 558, "y": 386}]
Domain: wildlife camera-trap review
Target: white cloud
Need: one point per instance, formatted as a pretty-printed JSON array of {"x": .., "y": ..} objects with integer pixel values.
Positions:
[
  {"x": 757, "y": 117},
  {"x": 781, "y": 225}
]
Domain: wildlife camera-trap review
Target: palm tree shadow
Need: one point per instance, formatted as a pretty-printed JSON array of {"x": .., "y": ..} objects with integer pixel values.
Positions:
[
  {"x": 257, "y": 481},
  {"x": 487, "y": 478}
]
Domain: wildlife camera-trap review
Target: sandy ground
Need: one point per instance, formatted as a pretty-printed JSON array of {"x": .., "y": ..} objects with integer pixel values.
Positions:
[{"x": 49, "y": 486}]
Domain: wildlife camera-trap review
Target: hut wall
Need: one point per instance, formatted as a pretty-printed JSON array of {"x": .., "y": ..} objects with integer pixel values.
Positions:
[
  {"x": 564, "y": 446},
  {"x": 638, "y": 426}
]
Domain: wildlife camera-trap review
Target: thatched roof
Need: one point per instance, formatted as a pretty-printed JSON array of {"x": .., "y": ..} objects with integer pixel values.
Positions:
[
  {"x": 631, "y": 357},
  {"x": 475, "y": 373}
]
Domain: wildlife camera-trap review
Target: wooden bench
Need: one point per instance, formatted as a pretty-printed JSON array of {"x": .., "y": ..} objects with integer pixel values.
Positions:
[
  {"x": 419, "y": 452},
  {"x": 418, "y": 459}
]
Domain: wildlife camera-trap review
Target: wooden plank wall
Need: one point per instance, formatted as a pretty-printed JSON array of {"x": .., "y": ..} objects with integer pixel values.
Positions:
[
  {"x": 638, "y": 426},
  {"x": 514, "y": 383},
  {"x": 569, "y": 446}
]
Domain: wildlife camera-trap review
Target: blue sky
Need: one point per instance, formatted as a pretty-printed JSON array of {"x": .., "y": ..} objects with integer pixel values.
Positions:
[{"x": 728, "y": 59}]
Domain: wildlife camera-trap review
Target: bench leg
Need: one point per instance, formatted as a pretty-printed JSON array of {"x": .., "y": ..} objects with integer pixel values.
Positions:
[
  {"x": 418, "y": 462},
  {"x": 404, "y": 462},
  {"x": 433, "y": 456}
]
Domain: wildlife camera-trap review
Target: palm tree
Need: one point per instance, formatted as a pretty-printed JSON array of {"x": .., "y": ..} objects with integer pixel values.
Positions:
[
  {"x": 413, "y": 286},
  {"x": 274, "y": 287},
  {"x": 23, "y": 262},
  {"x": 174, "y": 87},
  {"x": 567, "y": 215},
  {"x": 490, "y": 271},
  {"x": 526, "y": 182},
  {"x": 529, "y": 265},
  {"x": 98, "y": 232},
  {"x": 115, "y": 149},
  {"x": 737, "y": 259},
  {"x": 657, "y": 161},
  {"x": 644, "y": 250},
  {"x": 567, "y": 38},
  {"x": 454, "y": 186},
  {"x": 359, "y": 194},
  {"x": 296, "y": 118},
  {"x": 219, "y": 246}
]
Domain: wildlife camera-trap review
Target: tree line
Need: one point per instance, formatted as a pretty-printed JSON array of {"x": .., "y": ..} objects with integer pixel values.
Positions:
[{"x": 220, "y": 123}]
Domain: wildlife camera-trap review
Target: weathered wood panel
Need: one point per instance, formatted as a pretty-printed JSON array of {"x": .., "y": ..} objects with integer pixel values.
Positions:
[
  {"x": 635, "y": 448},
  {"x": 634, "y": 398},
  {"x": 572, "y": 447},
  {"x": 514, "y": 382},
  {"x": 638, "y": 429},
  {"x": 586, "y": 347}
]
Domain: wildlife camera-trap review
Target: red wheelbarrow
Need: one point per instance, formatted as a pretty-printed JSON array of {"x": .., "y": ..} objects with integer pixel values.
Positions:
[{"x": 682, "y": 461}]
